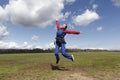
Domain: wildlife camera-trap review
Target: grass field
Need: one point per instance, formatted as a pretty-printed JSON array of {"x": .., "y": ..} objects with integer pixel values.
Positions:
[{"x": 41, "y": 66}]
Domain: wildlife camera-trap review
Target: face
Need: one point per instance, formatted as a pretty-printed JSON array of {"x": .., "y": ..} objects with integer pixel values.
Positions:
[{"x": 64, "y": 26}]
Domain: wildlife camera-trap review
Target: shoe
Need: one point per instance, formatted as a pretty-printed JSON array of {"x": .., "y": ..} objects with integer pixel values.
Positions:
[{"x": 72, "y": 58}]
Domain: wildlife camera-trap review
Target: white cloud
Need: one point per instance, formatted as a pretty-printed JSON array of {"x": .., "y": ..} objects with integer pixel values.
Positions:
[
  {"x": 116, "y": 2},
  {"x": 86, "y": 18},
  {"x": 3, "y": 32},
  {"x": 97, "y": 48},
  {"x": 7, "y": 45},
  {"x": 14, "y": 45},
  {"x": 95, "y": 6},
  {"x": 72, "y": 46},
  {"x": 25, "y": 45},
  {"x": 3, "y": 14},
  {"x": 33, "y": 12},
  {"x": 99, "y": 28},
  {"x": 70, "y": 1},
  {"x": 50, "y": 46},
  {"x": 71, "y": 26},
  {"x": 66, "y": 15},
  {"x": 35, "y": 38}
]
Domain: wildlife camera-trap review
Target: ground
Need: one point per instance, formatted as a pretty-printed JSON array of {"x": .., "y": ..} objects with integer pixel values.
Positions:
[{"x": 41, "y": 66}]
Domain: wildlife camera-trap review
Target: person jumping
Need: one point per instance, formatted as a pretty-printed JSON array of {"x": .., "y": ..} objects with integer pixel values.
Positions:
[{"x": 60, "y": 41}]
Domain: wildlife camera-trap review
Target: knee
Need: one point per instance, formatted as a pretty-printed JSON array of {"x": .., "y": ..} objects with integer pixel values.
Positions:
[{"x": 63, "y": 53}]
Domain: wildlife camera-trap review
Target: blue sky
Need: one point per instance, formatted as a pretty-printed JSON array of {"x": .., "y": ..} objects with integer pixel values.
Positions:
[{"x": 31, "y": 24}]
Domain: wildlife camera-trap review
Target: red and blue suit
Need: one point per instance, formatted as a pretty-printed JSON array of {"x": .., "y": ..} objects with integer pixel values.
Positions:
[{"x": 60, "y": 42}]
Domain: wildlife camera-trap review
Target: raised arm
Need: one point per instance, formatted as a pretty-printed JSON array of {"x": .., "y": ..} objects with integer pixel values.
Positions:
[
  {"x": 57, "y": 25},
  {"x": 71, "y": 32}
]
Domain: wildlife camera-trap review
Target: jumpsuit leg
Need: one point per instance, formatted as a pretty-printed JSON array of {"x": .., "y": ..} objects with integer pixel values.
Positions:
[
  {"x": 63, "y": 50},
  {"x": 57, "y": 53}
]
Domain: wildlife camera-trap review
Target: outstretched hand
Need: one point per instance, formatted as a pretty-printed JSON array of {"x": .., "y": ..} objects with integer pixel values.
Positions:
[
  {"x": 56, "y": 19},
  {"x": 77, "y": 33}
]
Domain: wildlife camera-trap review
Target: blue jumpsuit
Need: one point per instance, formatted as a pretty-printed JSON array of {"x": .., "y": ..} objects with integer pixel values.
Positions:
[{"x": 60, "y": 44}]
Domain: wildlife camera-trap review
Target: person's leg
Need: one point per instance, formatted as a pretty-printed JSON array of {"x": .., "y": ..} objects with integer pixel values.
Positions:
[
  {"x": 57, "y": 53},
  {"x": 63, "y": 50}
]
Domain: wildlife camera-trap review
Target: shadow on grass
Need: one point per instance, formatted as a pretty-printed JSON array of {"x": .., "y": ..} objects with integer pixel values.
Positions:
[{"x": 57, "y": 67}]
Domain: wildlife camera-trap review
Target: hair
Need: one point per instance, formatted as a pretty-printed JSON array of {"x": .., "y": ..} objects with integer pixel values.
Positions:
[{"x": 65, "y": 27}]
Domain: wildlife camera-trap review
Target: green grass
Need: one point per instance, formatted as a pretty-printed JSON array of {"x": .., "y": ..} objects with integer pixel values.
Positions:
[{"x": 98, "y": 65}]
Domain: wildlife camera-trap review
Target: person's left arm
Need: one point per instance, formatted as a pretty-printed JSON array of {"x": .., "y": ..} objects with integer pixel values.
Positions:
[
  {"x": 57, "y": 25},
  {"x": 71, "y": 32}
]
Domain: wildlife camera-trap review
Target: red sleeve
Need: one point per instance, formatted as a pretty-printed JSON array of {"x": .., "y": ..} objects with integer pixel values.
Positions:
[
  {"x": 71, "y": 32},
  {"x": 57, "y": 25}
]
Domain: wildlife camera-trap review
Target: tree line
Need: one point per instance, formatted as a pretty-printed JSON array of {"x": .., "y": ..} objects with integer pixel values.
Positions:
[{"x": 12, "y": 51}]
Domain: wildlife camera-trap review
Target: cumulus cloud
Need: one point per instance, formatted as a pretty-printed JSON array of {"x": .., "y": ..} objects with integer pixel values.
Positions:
[
  {"x": 99, "y": 28},
  {"x": 8, "y": 45},
  {"x": 72, "y": 46},
  {"x": 3, "y": 32},
  {"x": 3, "y": 14},
  {"x": 50, "y": 46},
  {"x": 35, "y": 38},
  {"x": 70, "y": 1},
  {"x": 33, "y": 12},
  {"x": 86, "y": 18},
  {"x": 71, "y": 26},
  {"x": 116, "y": 2},
  {"x": 14, "y": 45},
  {"x": 94, "y": 6},
  {"x": 66, "y": 15},
  {"x": 25, "y": 45}
]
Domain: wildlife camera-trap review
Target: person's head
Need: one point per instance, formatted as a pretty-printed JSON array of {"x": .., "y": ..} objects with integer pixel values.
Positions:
[{"x": 64, "y": 27}]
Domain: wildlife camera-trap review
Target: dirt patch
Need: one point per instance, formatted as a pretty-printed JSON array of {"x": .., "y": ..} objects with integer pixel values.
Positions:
[
  {"x": 67, "y": 73},
  {"x": 76, "y": 76},
  {"x": 73, "y": 76}
]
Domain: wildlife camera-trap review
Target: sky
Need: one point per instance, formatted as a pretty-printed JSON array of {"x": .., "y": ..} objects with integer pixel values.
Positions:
[{"x": 28, "y": 24}]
